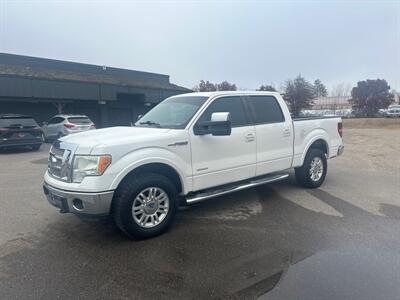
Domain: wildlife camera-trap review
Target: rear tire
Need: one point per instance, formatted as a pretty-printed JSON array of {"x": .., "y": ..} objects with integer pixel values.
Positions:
[
  {"x": 139, "y": 194},
  {"x": 313, "y": 171}
]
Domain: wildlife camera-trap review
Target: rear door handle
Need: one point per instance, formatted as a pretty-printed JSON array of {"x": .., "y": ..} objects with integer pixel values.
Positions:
[{"x": 249, "y": 137}]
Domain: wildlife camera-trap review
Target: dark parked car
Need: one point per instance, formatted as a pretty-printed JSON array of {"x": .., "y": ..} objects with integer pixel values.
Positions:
[{"x": 19, "y": 131}]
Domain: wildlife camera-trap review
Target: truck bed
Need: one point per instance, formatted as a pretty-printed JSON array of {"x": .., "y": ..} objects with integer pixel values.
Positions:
[
  {"x": 309, "y": 129},
  {"x": 313, "y": 118}
]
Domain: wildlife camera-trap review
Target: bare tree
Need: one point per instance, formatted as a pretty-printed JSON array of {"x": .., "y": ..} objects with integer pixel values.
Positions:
[
  {"x": 206, "y": 86},
  {"x": 341, "y": 90},
  {"x": 267, "y": 88},
  {"x": 226, "y": 86}
]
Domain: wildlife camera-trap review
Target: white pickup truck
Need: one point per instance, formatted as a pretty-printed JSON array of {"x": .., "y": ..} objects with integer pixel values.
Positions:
[{"x": 188, "y": 148}]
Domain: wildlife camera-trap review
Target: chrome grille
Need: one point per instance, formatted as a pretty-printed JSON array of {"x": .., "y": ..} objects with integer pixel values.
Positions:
[{"x": 59, "y": 163}]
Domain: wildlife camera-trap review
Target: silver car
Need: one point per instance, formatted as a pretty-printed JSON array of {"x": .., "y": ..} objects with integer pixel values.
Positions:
[
  {"x": 61, "y": 125},
  {"x": 393, "y": 112}
]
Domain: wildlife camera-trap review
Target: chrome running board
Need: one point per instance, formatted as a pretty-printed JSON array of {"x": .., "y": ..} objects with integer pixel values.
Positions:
[{"x": 219, "y": 191}]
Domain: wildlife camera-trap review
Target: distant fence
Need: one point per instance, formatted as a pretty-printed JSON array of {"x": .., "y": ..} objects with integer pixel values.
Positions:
[
  {"x": 346, "y": 113},
  {"x": 350, "y": 113}
]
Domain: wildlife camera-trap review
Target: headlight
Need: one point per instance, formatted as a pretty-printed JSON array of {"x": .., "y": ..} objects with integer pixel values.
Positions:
[{"x": 89, "y": 165}]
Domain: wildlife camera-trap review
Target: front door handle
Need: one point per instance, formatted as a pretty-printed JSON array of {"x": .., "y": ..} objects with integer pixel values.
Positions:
[{"x": 286, "y": 132}]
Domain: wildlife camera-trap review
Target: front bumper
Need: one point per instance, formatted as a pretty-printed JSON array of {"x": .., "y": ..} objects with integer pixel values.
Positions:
[
  {"x": 4, "y": 143},
  {"x": 96, "y": 204}
]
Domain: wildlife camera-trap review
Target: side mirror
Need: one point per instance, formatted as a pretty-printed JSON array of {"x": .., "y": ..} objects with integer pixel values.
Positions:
[
  {"x": 219, "y": 125},
  {"x": 44, "y": 123},
  {"x": 139, "y": 117},
  {"x": 220, "y": 117}
]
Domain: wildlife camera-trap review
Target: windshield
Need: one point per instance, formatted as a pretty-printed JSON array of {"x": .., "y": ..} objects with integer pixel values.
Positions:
[
  {"x": 174, "y": 112},
  {"x": 79, "y": 120}
]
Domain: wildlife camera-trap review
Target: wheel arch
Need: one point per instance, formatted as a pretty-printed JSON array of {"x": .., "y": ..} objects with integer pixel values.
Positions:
[
  {"x": 316, "y": 143},
  {"x": 162, "y": 168}
]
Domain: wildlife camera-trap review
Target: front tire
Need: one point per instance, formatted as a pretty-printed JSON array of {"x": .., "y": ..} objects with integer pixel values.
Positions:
[
  {"x": 145, "y": 205},
  {"x": 313, "y": 171}
]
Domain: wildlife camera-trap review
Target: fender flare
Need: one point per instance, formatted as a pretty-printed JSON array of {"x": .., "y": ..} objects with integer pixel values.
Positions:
[
  {"x": 146, "y": 161},
  {"x": 312, "y": 141}
]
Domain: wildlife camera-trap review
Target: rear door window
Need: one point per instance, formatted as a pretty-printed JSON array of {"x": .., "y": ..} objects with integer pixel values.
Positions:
[
  {"x": 265, "y": 109},
  {"x": 17, "y": 122},
  {"x": 80, "y": 120}
]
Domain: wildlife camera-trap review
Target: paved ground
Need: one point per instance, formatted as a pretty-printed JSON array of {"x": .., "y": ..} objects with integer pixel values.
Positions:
[{"x": 278, "y": 241}]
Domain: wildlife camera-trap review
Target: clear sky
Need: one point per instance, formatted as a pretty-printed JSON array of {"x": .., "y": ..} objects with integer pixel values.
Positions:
[{"x": 245, "y": 42}]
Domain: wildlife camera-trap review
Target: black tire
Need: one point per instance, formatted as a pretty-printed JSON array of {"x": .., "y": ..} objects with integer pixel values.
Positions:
[
  {"x": 36, "y": 147},
  {"x": 124, "y": 199},
  {"x": 303, "y": 173}
]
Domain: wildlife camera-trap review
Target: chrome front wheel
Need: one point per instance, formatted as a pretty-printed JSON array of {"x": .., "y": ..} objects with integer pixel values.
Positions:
[{"x": 150, "y": 207}]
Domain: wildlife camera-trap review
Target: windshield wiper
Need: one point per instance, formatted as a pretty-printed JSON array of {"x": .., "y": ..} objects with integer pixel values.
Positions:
[{"x": 150, "y": 123}]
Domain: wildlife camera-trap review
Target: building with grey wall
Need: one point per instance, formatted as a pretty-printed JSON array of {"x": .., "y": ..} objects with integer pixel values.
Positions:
[
  {"x": 43, "y": 87},
  {"x": 332, "y": 102}
]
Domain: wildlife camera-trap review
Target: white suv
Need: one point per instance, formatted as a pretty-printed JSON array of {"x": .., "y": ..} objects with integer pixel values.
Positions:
[{"x": 61, "y": 125}]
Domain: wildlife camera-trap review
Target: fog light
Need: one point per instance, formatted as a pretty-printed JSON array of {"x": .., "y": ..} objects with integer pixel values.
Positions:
[{"x": 77, "y": 204}]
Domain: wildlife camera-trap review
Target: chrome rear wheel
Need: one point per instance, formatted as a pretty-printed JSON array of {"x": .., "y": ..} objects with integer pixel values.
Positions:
[
  {"x": 316, "y": 169},
  {"x": 313, "y": 171}
]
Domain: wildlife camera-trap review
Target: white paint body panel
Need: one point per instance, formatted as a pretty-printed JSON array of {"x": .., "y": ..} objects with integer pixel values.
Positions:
[
  {"x": 308, "y": 131},
  {"x": 275, "y": 144},
  {"x": 204, "y": 161},
  {"x": 223, "y": 159}
]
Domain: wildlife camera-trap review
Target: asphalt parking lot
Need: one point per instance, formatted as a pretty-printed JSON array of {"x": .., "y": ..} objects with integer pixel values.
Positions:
[{"x": 277, "y": 241}]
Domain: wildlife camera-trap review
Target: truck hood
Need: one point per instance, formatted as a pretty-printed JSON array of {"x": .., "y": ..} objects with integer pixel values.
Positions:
[{"x": 86, "y": 141}]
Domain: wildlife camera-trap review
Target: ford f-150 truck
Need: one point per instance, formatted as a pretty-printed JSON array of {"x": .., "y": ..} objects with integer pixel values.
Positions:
[{"x": 188, "y": 148}]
